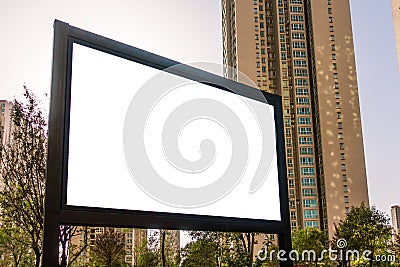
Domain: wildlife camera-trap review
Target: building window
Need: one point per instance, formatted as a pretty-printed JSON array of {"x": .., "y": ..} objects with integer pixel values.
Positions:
[
  {"x": 299, "y": 53},
  {"x": 298, "y": 27},
  {"x": 309, "y": 214},
  {"x": 310, "y": 203},
  {"x": 309, "y": 192},
  {"x": 329, "y": 10},
  {"x": 330, "y": 20},
  {"x": 292, "y": 204},
  {"x": 342, "y": 156},
  {"x": 288, "y": 142},
  {"x": 345, "y": 189},
  {"x": 334, "y": 56},
  {"x": 306, "y": 161},
  {"x": 344, "y": 177},
  {"x": 293, "y": 225},
  {"x": 291, "y": 183},
  {"x": 306, "y": 150},
  {"x": 298, "y": 36},
  {"x": 297, "y": 18},
  {"x": 308, "y": 182},
  {"x": 290, "y": 162},
  {"x": 300, "y": 63},
  {"x": 343, "y": 167},
  {"x": 347, "y": 210},
  {"x": 302, "y": 91},
  {"x": 309, "y": 171},
  {"x": 331, "y": 28},
  {"x": 310, "y": 224},
  {"x": 301, "y": 72},
  {"x": 340, "y": 125},
  {"x": 293, "y": 215},
  {"x": 339, "y": 115},
  {"x": 341, "y": 146},
  {"x": 332, "y": 38},
  {"x": 346, "y": 199},
  {"x": 333, "y": 47},
  {"x": 305, "y": 140},
  {"x": 301, "y": 82},
  {"x": 296, "y": 9},
  {"x": 299, "y": 44},
  {"x": 303, "y": 120},
  {"x": 303, "y": 111}
]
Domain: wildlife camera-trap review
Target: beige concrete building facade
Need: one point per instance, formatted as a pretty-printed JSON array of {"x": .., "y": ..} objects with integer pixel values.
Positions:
[
  {"x": 303, "y": 50},
  {"x": 395, "y": 212},
  {"x": 396, "y": 25}
]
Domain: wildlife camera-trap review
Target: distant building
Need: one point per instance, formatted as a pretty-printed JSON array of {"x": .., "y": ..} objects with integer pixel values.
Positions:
[
  {"x": 396, "y": 24},
  {"x": 395, "y": 211},
  {"x": 5, "y": 119},
  {"x": 134, "y": 240}
]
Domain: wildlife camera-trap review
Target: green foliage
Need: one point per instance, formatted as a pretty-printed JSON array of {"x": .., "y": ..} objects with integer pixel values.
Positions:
[
  {"x": 309, "y": 239},
  {"x": 365, "y": 229},
  {"x": 22, "y": 171},
  {"x": 219, "y": 249},
  {"x": 203, "y": 251},
  {"x": 14, "y": 247}
]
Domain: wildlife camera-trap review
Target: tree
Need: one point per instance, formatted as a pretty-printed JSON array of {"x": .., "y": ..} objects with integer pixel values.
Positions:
[
  {"x": 204, "y": 250},
  {"x": 160, "y": 249},
  {"x": 148, "y": 254},
  {"x": 108, "y": 247},
  {"x": 14, "y": 249},
  {"x": 309, "y": 239},
  {"x": 364, "y": 229},
  {"x": 23, "y": 168},
  {"x": 221, "y": 249},
  {"x": 71, "y": 252},
  {"x": 396, "y": 250}
]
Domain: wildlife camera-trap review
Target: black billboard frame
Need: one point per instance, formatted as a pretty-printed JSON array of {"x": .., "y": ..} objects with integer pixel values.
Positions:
[{"x": 57, "y": 212}]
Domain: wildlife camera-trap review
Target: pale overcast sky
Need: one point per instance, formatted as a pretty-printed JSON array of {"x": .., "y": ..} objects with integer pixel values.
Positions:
[{"x": 190, "y": 30}]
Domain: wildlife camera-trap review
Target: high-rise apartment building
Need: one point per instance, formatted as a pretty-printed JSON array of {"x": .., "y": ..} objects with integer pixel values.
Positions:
[
  {"x": 303, "y": 50},
  {"x": 395, "y": 212},
  {"x": 396, "y": 24}
]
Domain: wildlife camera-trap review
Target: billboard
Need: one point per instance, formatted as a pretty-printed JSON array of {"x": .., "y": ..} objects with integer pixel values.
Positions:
[{"x": 139, "y": 140}]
